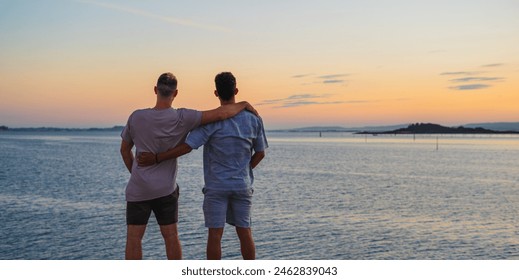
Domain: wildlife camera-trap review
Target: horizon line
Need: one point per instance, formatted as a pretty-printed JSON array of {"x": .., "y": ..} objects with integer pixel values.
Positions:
[{"x": 7, "y": 127}]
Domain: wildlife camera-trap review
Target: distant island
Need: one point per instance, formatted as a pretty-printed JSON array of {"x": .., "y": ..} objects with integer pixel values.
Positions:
[
  {"x": 497, "y": 127},
  {"x": 430, "y": 128}
]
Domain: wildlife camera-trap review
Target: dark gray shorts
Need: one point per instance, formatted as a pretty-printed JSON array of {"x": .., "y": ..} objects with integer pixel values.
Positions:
[{"x": 165, "y": 209}]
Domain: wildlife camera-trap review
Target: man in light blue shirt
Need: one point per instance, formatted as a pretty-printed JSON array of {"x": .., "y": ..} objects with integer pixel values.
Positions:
[{"x": 232, "y": 148}]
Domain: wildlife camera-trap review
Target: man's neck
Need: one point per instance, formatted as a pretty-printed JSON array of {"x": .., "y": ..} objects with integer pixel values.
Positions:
[
  {"x": 163, "y": 104},
  {"x": 227, "y": 102}
]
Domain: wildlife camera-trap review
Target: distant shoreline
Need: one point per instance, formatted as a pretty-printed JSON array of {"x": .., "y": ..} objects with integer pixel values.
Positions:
[
  {"x": 417, "y": 128},
  {"x": 429, "y": 128}
]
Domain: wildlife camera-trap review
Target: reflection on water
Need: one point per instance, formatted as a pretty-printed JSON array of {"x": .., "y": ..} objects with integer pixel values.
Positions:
[{"x": 340, "y": 196}]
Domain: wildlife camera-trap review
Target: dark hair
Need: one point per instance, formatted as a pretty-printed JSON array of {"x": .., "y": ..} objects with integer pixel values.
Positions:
[
  {"x": 225, "y": 85},
  {"x": 166, "y": 84}
]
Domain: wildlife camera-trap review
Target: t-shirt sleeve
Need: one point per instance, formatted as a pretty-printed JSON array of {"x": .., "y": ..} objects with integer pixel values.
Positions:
[
  {"x": 199, "y": 136},
  {"x": 260, "y": 142},
  {"x": 190, "y": 118}
]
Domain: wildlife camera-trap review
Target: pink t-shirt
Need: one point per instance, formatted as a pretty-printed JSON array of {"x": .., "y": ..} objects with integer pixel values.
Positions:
[{"x": 152, "y": 130}]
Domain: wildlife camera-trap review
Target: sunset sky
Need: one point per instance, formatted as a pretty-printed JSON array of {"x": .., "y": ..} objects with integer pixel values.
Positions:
[{"x": 67, "y": 63}]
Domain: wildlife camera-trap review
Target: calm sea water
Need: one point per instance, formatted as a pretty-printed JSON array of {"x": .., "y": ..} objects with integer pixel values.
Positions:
[{"x": 340, "y": 196}]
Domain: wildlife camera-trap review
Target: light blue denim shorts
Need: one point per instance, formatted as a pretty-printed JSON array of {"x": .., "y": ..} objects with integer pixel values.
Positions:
[{"x": 233, "y": 207}]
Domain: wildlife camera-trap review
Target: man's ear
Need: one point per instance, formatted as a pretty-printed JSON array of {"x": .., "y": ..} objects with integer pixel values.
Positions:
[
  {"x": 216, "y": 94},
  {"x": 155, "y": 90},
  {"x": 175, "y": 94},
  {"x": 236, "y": 91}
]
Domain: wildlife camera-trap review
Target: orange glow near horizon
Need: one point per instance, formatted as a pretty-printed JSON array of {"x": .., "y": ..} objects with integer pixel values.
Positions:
[{"x": 343, "y": 68}]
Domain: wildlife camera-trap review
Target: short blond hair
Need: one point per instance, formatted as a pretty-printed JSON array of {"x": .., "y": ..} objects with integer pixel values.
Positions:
[{"x": 167, "y": 84}]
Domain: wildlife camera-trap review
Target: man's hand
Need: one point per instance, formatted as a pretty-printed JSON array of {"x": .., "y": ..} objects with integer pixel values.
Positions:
[
  {"x": 251, "y": 109},
  {"x": 146, "y": 159}
]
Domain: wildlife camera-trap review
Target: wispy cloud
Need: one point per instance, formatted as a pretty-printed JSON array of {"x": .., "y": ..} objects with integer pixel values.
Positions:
[
  {"x": 333, "y": 76},
  {"x": 477, "y": 79},
  {"x": 301, "y": 76},
  {"x": 470, "y": 87},
  {"x": 473, "y": 79},
  {"x": 167, "y": 19},
  {"x": 294, "y": 98},
  {"x": 333, "y": 81},
  {"x": 460, "y": 73},
  {"x": 492, "y": 65},
  {"x": 323, "y": 79},
  {"x": 305, "y": 99}
]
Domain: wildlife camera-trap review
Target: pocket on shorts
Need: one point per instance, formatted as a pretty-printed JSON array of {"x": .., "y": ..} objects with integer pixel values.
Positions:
[{"x": 176, "y": 193}]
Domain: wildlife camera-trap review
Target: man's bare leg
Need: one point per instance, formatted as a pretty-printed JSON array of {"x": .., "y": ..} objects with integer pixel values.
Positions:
[
  {"x": 214, "y": 244},
  {"x": 134, "y": 236},
  {"x": 248, "y": 249},
  {"x": 172, "y": 242}
]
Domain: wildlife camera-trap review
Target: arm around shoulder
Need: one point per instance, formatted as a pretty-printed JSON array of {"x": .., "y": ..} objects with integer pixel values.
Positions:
[{"x": 226, "y": 111}]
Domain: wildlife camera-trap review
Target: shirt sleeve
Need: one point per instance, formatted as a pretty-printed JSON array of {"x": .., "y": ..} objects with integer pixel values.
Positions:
[
  {"x": 190, "y": 118},
  {"x": 260, "y": 142},
  {"x": 199, "y": 136}
]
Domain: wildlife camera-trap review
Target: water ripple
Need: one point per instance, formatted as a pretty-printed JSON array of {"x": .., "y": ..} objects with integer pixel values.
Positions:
[{"x": 340, "y": 199}]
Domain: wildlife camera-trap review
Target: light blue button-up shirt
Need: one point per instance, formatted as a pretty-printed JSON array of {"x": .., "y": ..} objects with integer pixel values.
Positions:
[{"x": 228, "y": 148}]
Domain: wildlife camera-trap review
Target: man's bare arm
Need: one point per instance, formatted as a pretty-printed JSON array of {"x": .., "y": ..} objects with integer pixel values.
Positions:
[
  {"x": 127, "y": 154},
  {"x": 256, "y": 158},
  {"x": 226, "y": 111},
  {"x": 147, "y": 158}
]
